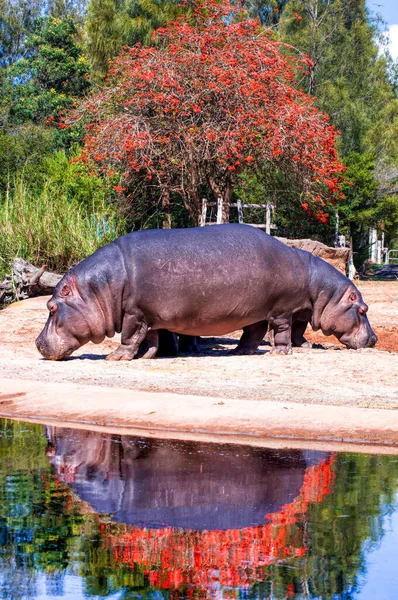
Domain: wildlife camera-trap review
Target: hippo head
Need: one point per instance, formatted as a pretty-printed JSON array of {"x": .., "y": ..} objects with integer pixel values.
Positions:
[
  {"x": 344, "y": 316},
  {"x": 71, "y": 323}
]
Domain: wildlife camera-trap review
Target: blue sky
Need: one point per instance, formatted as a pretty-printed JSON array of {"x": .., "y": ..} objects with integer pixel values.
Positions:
[{"x": 388, "y": 9}]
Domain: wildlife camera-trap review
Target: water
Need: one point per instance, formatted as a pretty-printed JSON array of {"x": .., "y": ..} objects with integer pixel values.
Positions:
[{"x": 90, "y": 515}]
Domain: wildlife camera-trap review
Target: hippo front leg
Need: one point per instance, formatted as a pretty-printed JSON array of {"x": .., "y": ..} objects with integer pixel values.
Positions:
[
  {"x": 134, "y": 331},
  {"x": 282, "y": 327},
  {"x": 251, "y": 338},
  {"x": 298, "y": 339}
]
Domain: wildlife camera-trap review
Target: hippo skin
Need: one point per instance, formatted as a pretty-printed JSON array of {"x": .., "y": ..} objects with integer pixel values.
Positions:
[{"x": 201, "y": 281}]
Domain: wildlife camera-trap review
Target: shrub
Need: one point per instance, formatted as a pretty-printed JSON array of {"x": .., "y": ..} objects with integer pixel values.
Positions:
[{"x": 59, "y": 225}]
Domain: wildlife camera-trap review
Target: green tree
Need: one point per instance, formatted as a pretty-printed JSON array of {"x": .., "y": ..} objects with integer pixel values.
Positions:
[
  {"x": 51, "y": 76},
  {"x": 348, "y": 75},
  {"x": 112, "y": 24},
  {"x": 17, "y": 20},
  {"x": 103, "y": 40},
  {"x": 268, "y": 11}
]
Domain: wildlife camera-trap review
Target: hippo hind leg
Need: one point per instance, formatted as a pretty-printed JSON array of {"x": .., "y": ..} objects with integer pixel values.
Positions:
[
  {"x": 298, "y": 339},
  {"x": 188, "y": 343},
  {"x": 251, "y": 338},
  {"x": 168, "y": 343},
  {"x": 282, "y": 327},
  {"x": 149, "y": 347}
]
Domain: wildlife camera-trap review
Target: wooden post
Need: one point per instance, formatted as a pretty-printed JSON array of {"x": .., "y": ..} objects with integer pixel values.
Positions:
[
  {"x": 373, "y": 244},
  {"x": 219, "y": 210},
  {"x": 350, "y": 262},
  {"x": 240, "y": 211},
  {"x": 336, "y": 231},
  {"x": 268, "y": 218},
  {"x": 204, "y": 213}
]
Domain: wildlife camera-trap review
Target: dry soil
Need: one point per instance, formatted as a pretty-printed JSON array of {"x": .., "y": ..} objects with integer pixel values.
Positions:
[{"x": 327, "y": 374}]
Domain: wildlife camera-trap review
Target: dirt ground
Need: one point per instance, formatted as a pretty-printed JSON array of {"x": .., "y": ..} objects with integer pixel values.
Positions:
[{"x": 326, "y": 374}]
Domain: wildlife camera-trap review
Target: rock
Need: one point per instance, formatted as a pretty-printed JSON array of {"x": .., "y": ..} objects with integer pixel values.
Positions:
[{"x": 337, "y": 257}]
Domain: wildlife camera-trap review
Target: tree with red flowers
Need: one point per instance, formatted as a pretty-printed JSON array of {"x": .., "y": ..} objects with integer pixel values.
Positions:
[{"x": 214, "y": 98}]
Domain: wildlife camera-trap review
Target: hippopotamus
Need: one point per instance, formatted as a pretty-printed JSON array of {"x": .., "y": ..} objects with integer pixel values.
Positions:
[{"x": 197, "y": 282}]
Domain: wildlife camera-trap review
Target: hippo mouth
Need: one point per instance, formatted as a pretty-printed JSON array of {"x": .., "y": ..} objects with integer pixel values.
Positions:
[
  {"x": 57, "y": 353},
  {"x": 356, "y": 341}
]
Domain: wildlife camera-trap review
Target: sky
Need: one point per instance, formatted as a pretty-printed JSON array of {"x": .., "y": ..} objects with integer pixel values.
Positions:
[{"x": 388, "y": 9}]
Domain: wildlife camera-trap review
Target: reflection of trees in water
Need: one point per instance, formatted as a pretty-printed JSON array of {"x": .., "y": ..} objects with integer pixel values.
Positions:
[
  {"x": 234, "y": 558},
  {"x": 45, "y": 528}
]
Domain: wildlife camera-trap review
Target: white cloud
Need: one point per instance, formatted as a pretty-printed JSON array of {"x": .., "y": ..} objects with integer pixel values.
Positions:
[{"x": 393, "y": 46}]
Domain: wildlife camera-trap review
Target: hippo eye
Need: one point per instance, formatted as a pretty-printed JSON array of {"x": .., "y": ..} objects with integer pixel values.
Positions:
[
  {"x": 353, "y": 297},
  {"x": 66, "y": 291},
  {"x": 52, "y": 307}
]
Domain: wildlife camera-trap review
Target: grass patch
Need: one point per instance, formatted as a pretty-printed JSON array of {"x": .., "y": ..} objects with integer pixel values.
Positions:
[{"x": 59, "y": 224}]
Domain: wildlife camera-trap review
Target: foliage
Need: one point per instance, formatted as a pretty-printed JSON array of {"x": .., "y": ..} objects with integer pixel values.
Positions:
[
  {"x": 112, "y": 24},
  {"x": 23, "y": 149},
  {"x": 348, "y": 75},
  {"x": 103, "y": 41},
  {"x": 364, "y": 204},
  {"x": 54, "y": 73},
  {"x": 215, "y": 100},
  {"x": 17, "y": 19},
  {"x": 64, "y": 221},
  {"x": 360, "y": 191},
  {"x": 268, "y": 11}
]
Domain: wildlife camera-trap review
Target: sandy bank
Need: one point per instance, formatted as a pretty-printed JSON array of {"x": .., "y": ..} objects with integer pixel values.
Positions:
[{"x": 258, "y": 397}]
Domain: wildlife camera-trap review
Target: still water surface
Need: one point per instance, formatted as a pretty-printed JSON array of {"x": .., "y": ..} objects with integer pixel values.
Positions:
[{"x": 90, "y": 515}]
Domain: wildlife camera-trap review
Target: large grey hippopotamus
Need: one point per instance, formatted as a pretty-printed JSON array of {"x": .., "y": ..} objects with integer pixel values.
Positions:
[{"x": 201, "y": 281}]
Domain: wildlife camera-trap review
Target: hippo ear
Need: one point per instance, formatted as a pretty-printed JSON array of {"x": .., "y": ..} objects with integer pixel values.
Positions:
[
  {"x": 353, "y": 297},
  {"x": 65, "y": 291}
]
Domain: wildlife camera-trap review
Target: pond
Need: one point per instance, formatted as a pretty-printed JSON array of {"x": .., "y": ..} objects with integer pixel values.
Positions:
[{"x": 92, "y": 515}]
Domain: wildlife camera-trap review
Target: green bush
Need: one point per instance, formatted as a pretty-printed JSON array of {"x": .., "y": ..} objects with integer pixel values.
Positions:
[
  {"x": 59, "y": 225},
  {"x": 24, "y": 149}
]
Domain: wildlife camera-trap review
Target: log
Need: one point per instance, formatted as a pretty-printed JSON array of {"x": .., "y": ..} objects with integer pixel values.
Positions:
[{"x": 27, "y": 281}]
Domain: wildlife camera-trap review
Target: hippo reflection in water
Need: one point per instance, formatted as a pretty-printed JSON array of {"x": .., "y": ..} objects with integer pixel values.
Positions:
[{"x": 190, "y": 485}]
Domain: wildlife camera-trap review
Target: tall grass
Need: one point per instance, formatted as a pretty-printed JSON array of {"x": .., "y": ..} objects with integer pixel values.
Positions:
[{"x": 59, "y": 224}]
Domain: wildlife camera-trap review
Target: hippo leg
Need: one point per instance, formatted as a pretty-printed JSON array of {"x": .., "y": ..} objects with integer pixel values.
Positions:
[
  {"x": 150, "y": 346},
  {"x": 251, "y": 338},
  {"x": 282, "y": 327},
  {"x": 188, "y": 343},
  {"x": 168, "y": 343},
  {"x": 134, "y": 331},
  {"x": 298, "y": 339}
]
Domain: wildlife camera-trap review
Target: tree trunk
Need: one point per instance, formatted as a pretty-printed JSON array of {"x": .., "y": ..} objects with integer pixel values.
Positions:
[
  {"x": 27, "y": 281},
  {"x": 226, "y": 197},
  {"x": 166, "y": 209}
]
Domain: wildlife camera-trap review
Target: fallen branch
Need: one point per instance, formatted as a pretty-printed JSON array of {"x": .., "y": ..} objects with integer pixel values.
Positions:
[{"x": 27, "y": 281}]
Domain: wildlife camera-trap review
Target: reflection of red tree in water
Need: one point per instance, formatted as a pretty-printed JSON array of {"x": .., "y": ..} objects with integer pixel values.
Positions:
[{"x": 173, "y": 557}]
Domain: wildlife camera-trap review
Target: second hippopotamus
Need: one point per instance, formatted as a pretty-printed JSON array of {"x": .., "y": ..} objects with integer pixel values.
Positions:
[{"x": 200, "y": 281}]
